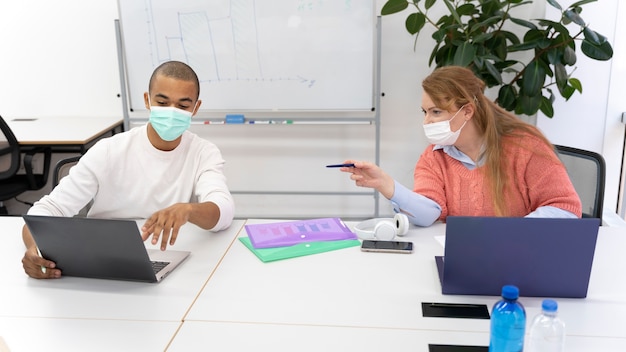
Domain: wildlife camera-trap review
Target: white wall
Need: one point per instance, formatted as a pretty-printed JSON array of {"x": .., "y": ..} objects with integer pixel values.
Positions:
[
  {"x": 616, "y": 106},
  {"x": 58, "y": 58},
  {"x": 59, "y": 62}
]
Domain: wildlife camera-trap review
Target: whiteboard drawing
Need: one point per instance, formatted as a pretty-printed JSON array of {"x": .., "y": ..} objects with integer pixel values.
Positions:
[{"x": 256, "y": 54}]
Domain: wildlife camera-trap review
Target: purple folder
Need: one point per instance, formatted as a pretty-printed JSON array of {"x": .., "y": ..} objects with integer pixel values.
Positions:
[{"x": 289, "y": 233}]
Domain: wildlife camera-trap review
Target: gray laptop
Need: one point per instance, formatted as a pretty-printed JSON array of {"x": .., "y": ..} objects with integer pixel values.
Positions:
[
  {"x": 101, "y": 248},
  {"x": 543, "y": 257}
]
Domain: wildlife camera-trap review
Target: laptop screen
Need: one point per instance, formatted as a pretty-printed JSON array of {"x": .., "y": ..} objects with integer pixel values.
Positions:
[
  {"x": 97, "y": 248},
  {"x": 543, "y": 257}
]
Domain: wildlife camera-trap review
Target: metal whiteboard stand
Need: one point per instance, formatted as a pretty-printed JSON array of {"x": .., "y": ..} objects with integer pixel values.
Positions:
[{"x": 123, "y": 80}]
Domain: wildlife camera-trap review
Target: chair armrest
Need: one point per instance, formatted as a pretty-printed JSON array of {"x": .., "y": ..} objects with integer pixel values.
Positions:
[
  {"x": 57, "y": 168},
  {"x": 28, "y": 166}
]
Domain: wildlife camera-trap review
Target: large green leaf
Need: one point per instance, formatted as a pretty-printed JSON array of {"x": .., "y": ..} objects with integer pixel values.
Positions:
[
  {"x": 574, "y": 17},
  {"x": 523, "y": 23},
  {"x": 452, "y": 10},
  {"x": 600, "y": 52},
  {"x": 546, "y": 107},
  {"x": 466, "y": 9},
  {"x": 393, "y": 6},
  {"x": 547, "y": 23},
  {"x": 491, "y": 7},
  {"x": 482, "y": 37},
  {"x": 444, "y": 20},
  {"x": 569, "y": 56},
  {"x": 486, "y": 23},
  {"x": 504, "y": 65},
  {"x": 582, "y": 2},
  {"x": 593, "y": 37},
  {"x": 567, "y": 92},
  {"x": 464, "y": 54},
  {"x": 433, "y": 54},
  {"x": 575, "y": 83},
  {"x": 493, "y": 71},
  {"x": 497, "y": 46},
  {"x": 553, "y": 55},
  {"x": 479, "y": 62},
  {"x": 540, "y": 38},
  {"x": 507, "y": 97},
  {"x": 445, "y": 55},
  {"x": 555, "y": 4},
  {"x": 562, "y": 30},
  {"x": 533, "y": 79},
  {"x": 529, "y": 105},
  {"x": 511, "y": 37},
  {"x": 554, "y": 25},
  {"x": 561, "y": 76},
  {"x": 453, "y": 31},
  {"x": 523, "y": 46},
  {"x": 439, "y": 35},
  {"x": 415, "y": 22}
]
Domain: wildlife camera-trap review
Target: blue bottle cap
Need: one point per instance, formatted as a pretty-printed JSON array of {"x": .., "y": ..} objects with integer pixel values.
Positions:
[
  {"x": 510, "y": 292},
  {"x": 549, "y": 305}
]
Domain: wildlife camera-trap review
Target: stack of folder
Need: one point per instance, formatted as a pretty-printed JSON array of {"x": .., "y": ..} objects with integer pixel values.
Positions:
[{"x": 289, "y": 239}]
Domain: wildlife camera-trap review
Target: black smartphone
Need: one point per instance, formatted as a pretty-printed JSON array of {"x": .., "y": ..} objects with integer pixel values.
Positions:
[{"x": 387, "y": 246}]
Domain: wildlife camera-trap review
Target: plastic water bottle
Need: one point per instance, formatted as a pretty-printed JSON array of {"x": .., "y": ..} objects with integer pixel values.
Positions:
[
  {"x": 547, "y": 331},
  {"x": 508, "y": 322}
]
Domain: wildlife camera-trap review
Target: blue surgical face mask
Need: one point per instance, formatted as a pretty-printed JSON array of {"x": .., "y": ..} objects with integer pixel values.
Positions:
[{"x": 169, "y": 122}]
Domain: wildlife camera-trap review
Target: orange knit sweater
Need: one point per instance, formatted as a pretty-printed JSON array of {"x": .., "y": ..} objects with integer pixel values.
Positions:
[{"x": 534, "y": 180}]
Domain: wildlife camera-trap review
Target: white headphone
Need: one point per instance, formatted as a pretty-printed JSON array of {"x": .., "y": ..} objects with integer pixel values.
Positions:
[{"x": 382, "y": 228}]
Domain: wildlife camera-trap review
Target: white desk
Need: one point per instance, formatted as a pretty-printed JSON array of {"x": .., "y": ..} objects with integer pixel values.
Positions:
[
  {"x": 224, "y": 298},
  {"x": 81, "y": 298},
  {"x": 351, "y": 289},
  {"x": 72, "y": 134},
  {"x": 69, "y": 335},
  {"x": 236, "y": 337}
]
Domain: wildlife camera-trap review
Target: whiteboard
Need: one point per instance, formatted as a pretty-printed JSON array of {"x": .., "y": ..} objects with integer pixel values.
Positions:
[{"x": 259, "y": 55}]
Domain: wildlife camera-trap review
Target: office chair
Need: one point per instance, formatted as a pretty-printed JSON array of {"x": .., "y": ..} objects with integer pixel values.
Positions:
[
  {"x": 62, "y": 168},
  {"x": 13, "y": 183},
  {"x": 587, "y": 171}
]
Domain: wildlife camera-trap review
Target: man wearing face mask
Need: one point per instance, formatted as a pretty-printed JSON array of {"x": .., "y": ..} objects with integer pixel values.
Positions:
[
  {"x": 159, "y": 171},
  {"x": 482, "y": 160}
]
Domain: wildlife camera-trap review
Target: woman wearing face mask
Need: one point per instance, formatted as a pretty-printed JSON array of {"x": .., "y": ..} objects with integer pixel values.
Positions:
[{"x": 482, "y": 161}]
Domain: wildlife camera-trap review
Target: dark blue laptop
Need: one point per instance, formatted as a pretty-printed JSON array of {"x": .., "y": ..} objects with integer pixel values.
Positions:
[{"x": 544, "y": 257}]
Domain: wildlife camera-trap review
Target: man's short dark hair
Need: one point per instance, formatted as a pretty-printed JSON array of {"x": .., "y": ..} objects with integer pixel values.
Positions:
[{"x": 177, "y": 70}]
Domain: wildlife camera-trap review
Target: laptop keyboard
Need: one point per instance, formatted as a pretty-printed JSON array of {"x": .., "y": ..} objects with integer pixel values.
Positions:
[{"x": 158, "y": 266}]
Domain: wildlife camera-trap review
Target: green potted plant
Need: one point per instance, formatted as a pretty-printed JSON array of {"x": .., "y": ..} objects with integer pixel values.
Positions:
[{"x": 473, "y": 34}]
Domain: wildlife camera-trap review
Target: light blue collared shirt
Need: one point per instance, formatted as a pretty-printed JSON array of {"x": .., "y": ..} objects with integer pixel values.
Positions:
[{"x": 424, "y": 211}]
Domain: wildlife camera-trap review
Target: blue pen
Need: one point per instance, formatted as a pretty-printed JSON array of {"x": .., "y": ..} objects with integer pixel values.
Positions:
[{"x": 340, "y": 165}]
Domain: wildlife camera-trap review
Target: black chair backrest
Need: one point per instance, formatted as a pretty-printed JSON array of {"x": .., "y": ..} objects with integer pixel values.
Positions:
[
  {"x": 587, "y": 170},
  {"x": 9, "y": 151}
]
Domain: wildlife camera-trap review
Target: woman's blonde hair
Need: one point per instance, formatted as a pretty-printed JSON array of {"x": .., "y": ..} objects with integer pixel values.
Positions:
[{"x": 451, "y": 87}]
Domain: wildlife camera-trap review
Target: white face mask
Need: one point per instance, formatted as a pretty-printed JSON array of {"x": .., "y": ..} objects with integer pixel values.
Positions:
[{"x": 440, "y": 132}]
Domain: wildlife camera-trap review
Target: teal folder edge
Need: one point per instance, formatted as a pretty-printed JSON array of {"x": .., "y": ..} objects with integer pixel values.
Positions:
[{"x": 298, "y": 250}]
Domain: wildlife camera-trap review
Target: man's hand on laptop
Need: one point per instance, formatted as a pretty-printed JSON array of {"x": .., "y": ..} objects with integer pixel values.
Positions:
[
  {"x": 164, "y": 224},
  {"x": 37, "y": 267}
]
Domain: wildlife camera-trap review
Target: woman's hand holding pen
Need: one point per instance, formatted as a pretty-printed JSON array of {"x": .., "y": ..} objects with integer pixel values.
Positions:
[{"x": 366, "y": 174}]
